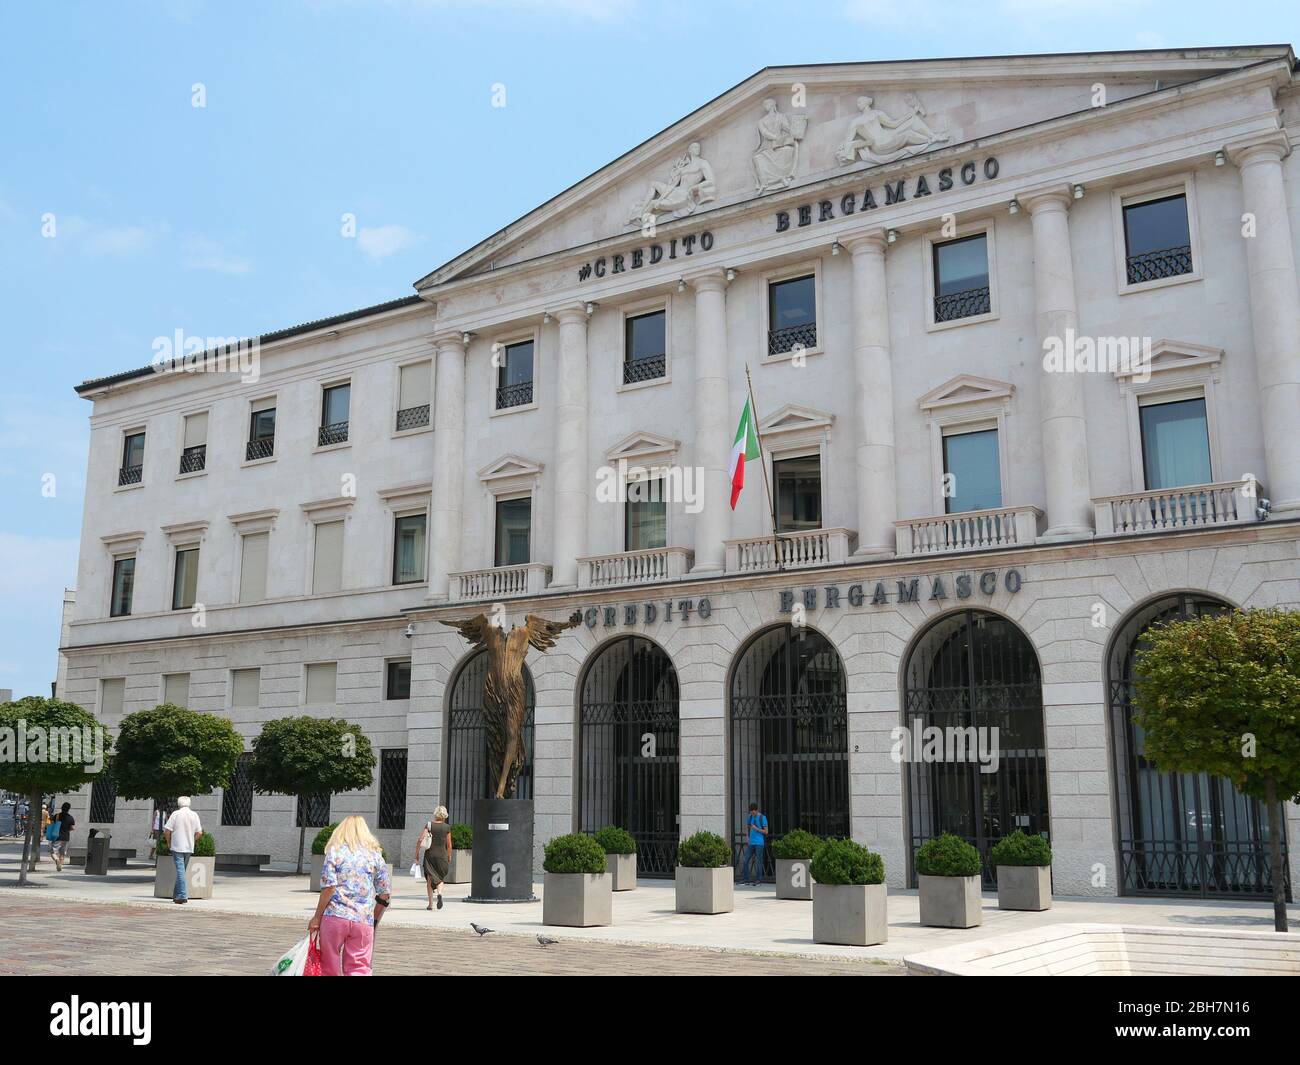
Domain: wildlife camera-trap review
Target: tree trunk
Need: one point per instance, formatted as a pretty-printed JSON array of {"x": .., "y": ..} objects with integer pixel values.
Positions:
[
  {"x": 302, "y": 836},
  {"x": 1276, "y": 819},
  {"x": 31, "y": 844}
]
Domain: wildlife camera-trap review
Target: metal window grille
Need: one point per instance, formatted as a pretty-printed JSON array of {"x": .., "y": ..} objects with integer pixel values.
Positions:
[
  {"x": 103, "y": 799},
  {"x": 392, "y": 788},
  {"x": 237, "y": 798},
  {"x": 313, "y": 810}
]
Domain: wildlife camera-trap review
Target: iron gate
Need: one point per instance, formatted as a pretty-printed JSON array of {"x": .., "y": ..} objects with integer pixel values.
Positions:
[
  {"x": 628, "y": 750},
  {"x": 789, "y": 737},
  {"x": 466, "y": 777},
  {"x": 975, "y": 670},
  {"x": 1180, "y": 833}
]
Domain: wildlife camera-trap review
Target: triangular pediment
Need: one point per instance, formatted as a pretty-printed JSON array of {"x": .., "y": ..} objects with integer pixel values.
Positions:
[
  {"x": 793, "y": 418},
  {"x": 1171, "y": 355},
  {"x": 964, "y": 389},
  {"x": 640, "y": 446},
  {"x": 509, "y": 466}
]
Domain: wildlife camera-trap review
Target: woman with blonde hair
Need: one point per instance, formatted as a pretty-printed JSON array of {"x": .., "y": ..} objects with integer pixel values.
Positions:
[
  {"x": 436, "y": 838},
  {"x": 354, "y": 892}
]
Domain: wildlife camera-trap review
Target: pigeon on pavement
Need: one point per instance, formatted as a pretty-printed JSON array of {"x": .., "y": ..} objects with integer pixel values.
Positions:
[
  {"x": 480, "y": 929},
  {"x": 546, "y": 942}
]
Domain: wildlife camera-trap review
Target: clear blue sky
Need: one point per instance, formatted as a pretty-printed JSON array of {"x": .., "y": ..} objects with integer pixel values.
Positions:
[{"x": 225, "y": 220}]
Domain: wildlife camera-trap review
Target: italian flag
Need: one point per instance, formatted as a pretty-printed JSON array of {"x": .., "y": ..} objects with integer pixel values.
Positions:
[{"x": 744, "y": 448}]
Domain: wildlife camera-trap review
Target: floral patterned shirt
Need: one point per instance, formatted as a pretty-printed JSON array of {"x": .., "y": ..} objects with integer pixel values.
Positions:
[{"x": 357, "y": 878}]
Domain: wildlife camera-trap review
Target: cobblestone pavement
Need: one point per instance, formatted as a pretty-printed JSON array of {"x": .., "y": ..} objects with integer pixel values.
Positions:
[{"x": 44, "y": 936}]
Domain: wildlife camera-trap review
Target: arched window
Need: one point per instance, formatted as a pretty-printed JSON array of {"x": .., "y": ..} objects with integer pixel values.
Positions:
[
  {"x": 466, "y": 775},
  {"x": 628, "y": 749},
  {"x": 789, "y": 735},
  {"x": 1179, "y": 833},
  {"x": 973, "y": 686}
]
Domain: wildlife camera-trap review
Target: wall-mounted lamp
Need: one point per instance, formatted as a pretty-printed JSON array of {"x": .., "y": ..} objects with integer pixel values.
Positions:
[
  {"x": 1014, "y": 206},
  {"x": 1220, "y": 158},
  {"x": 731, "y": 274},
  {"x": 465, "y": 338},
  {"x": 681, "y": 285},
  {"x": 591, "y": 308},
  {"x": 1078, "y": 192},
  {"x": 546, "y": 318},
  {"x": 836, "y": 248},
  {"x": 410, "y": 630},
  {"x": 892, "y": 236}
]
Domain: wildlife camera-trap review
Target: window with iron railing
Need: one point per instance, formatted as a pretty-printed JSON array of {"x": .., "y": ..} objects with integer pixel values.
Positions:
[
  {"x": 336, "y": 403},
  {"x": 1157, "y": 239},
  {"x": 413, "y": 417},
  {"x": 644, "y": 347},
  {"x": 132, "y": 470},
  {"x": 194, "y": 459},
  {"x": 515, "y": 376},
  {"x": 261, "y": 434},
  {"x": 392, "y": 788},
  {"x": 414, "y": 384},
  {"x": 791, "y": 314},
  {"x": 961, "y": 279}
]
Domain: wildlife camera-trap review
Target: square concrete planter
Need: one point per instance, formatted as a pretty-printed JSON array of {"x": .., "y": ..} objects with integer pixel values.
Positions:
[
  {"x": 577, "y": 900},
  {"x": 1024, "y": 887},
  {"x": 853, "y": 914},
  {"x": 950, "y": 901},
  {"x": 622, "y": 870},
  {"x": 462, "y": 864},
  {"x": 199, "y": 875},
  {"x": 794, "y": 879},
  {"x": 705, "y": 890},
  {"x": 317, "y": 864}
]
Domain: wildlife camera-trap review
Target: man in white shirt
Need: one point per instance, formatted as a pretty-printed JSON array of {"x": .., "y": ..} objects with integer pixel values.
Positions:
[{"x": 180, "y": 831}]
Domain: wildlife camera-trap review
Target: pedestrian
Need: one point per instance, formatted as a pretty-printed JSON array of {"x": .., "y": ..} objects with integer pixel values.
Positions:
[
  {"x": 22, "y": 818},
  {"x": 153, "y": 832},
  {"x": 757, "y": 825},
  {"x": 354, "y": 893},
  {"x": 59, "y": 846},
  {"x": 435, "y": 837},
  {"x": 180, "y": 832}
]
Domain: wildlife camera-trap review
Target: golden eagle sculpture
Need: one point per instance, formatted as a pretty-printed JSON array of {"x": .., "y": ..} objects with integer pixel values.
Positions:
[{"x": 503, "y": 688}]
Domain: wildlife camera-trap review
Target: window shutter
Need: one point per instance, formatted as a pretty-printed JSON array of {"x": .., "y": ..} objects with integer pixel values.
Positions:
[
  {"x": 414, "y": 390},
  {"x": 327, "y": 570},
  {"x": 321, "y": 683},
  {"x": 112, "y": 695},
  {"x": 262, "y": 404},
  {"x": 246, "y": 688},
  {"x": 176, "y": 689},
  {"x": 252, "y": 573},
  {"x": 196, "y": 429}
]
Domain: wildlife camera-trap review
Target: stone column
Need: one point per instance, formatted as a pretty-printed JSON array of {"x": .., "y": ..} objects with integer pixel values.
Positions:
[
  {"x": 873, "y": 398},
  {"x": 1064, "y": 429},
  {"x": 712, "y": 415},
  {"x": 446, "y": 509},
  {"x": 572, "y": 477},
  {"x": 1274, "y": 316}
]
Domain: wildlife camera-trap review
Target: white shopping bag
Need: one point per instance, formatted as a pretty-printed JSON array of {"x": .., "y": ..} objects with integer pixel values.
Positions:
[
  {"x": 293, "y": 960},
  {"x": 415, "y": 871}
]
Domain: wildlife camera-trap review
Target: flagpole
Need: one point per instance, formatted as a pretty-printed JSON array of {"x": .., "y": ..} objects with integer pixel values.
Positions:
[{"x": 771, "y": 505}]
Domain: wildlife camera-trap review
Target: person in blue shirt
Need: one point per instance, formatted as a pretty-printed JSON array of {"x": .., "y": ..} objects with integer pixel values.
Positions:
[{"x": 757, "y": 825}]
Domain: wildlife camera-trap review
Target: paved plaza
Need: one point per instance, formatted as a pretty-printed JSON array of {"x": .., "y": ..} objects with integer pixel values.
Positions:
[{"x": 116, "y": 921}]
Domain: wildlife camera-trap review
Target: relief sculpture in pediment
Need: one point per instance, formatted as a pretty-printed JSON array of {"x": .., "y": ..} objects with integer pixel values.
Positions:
[
  {"x": 690, "y": 183},
  {"x": 873, "y": 136},
  {"x": 774, "y": 162}
]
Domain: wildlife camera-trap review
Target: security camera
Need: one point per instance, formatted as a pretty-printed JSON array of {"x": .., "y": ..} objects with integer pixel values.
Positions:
[{"x": 410, "y": 629}]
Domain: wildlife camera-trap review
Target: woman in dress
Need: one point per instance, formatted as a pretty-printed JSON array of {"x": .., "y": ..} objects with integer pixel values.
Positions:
[
  {"x": 435, "y": 838},
  {"x": 354, "y": 894}
]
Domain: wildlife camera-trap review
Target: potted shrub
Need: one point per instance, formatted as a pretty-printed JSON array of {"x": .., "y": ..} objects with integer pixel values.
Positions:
[
  {"x": 1024, "y": 865},
  {"x": 948, "y": 876},
  {"x": 850, "y": 902},
  {"x": 199, "y": 873},
  {"x": 577, "y": 891},
  {"x": 705, "y": 878},
  {"x": 793, "y": 854},
  {"x": 620, "y": 856},
  {"x": 462, "y": 854},
  {"x": 318, "y": 853}
]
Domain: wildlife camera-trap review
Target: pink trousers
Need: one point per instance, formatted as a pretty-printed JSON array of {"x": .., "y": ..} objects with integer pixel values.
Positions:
[{"x": 345, "y": 947}]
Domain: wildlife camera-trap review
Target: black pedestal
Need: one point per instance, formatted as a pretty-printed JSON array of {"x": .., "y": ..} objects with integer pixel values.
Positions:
[{"x": 503, "y": 851}]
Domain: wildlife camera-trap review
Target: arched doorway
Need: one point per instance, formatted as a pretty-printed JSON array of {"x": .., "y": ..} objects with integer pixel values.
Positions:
[
  {"x": 466, "y": 774},
  {"x": 1178, "y": 833},
  {"x": 628, "y": 750},
  {"x": 789, "y": 736},
  {"x": 975, "y": 670}
]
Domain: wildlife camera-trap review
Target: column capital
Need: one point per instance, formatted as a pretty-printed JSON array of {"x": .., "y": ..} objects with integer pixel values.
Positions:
[
  {"x": 870, "y": 242},
  {"x": 451, "y": 340},
  {"x": 713, "y": 279},
  {"x": 1052, "y": 198},
  {"x": 1272, "y": 145},
  {"x": 571, "y": 313}
]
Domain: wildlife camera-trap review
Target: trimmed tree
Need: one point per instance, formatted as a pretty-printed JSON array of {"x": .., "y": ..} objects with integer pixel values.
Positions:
[
  {"x": 1221, "y": 695},
  {"x": 46, "y": 746},
  {"x": 169, "y": 751},
  {"x": 304, "y": 756}
]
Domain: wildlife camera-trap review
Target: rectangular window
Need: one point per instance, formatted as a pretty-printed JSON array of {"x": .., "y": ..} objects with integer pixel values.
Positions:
[
  {"x": 972, "y": 471},
  {"x": 791, "y": 314},
  {"x": 515, "y": 376},
  {"x": 185, "y": 581},
  {"x": 397, "y": 683},
  {"x": 392, "y": 788},
  {"x": 408, "y": 549},
  {"x": 1157, "y": 239},
  {"x": 176, "y": 689},
  {"x": 327, "y": 562},
  {"x": 245, "y": 688},
  {"x": 103, "y": 799},
  {"x": 112, "y": 696},
  {"x": 798, "y": 486},
  {"x": 413, "y": 392},
  {"x": 645, "y": 515},
  {"x": 322, "y": 682},
  {"x": 313, "y": 810},
  {"x": 194, "y": 450},
  {"x": 645, "y": 349},
  {"x": 514, "y": 525},
  {"x": 336, "y": 402},
  {"x": 961, "y": 278},
  {"x": 123, "y": 586},
  {"x": 132, "y": 470},
  {"x": 261, "y": 431},
  {"x": 237, "y": 797},
  {"x": 252, "y": 568},
  {"x": 1175, "y": 444}
]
